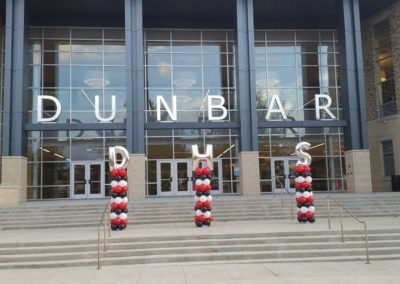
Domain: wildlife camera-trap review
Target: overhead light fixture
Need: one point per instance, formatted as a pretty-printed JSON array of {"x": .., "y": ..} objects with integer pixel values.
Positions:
[
  {"x": 62, "y": 157},
  {"x": 220, "y": 155},
  {"x": 43, "y": 149}
]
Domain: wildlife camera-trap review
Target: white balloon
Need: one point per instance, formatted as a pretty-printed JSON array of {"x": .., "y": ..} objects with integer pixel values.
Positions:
[
  {"x": 299, "y": 194},
  {"x": 196, "y": 198},
  {"x": 125, "y": 200},
  {"x": 207, "y": 214},
  {"x": 198, "y": 212},
  {"x": 306, "y": 194},
  {"x": 203, "y": 198},
  {"x": 113, "y": 215},
  {"x": 209, "y": 198},
  {"x": 311, "y": 194},
  {"x": 311, "y": 209},
  {"x": 308, "y": 179},
  {"x": 118, "y": 200},
  {"x": 304, "y": 209},
  {"x": 199, "y": 182},
  {"x": 206, "y": 181},
  {"x": 114, "y": 183},
  {"x": 299, "y": 179},
  {"x": 123, "y": 216},
  {"x": 122, "y": 183}
]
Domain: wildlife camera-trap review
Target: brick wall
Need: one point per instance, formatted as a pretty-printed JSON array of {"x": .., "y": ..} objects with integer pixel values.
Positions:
[{"x": 395, "y": 32}]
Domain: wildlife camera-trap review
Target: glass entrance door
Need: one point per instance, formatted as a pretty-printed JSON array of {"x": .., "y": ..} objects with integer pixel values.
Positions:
[
  {"x": 87, "y": 179},
  {"x": 174, "y": 177},
  {"x": 283, "y": 174}
]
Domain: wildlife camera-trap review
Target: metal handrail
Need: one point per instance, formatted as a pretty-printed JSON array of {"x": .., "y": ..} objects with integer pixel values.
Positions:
[
  {"x": 290, "y": 197},
  {"x": 328, "y": 199},
  {"x": 106, "y": 227}
]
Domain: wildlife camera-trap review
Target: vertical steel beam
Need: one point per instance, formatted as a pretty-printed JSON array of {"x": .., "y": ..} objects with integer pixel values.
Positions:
[
  {"x": 245, "y": 74},
  {"x": 353, "y": 92},
  {"x": 135, "y": 75}
]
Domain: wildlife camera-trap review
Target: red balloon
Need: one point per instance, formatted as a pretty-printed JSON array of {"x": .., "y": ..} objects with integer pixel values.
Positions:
[
  {"x": 115, "y": 172},
  {"x": 300, "y": 169},
  {"x": 298, "y": 185},
  {"x": 206, "y": 171},
  {"x": 299, "y": 214},
  {"x": 122, "y": 172},
  {"x": 202, "y": 218},
  {"x": 122, "y": 206},
  {"x": 196, "y": 218},
  {"x": 117, "y": 221},
  {"x": 124, "y": 222},
  {"x": 114, "y": 206},
  {"x": 309, "y": 215},
  {"x": 209, "y": 187},
  {"x": 309, "y": 199},
  {"x": 203, "y": 187},
  {"x": 307, "y": 169},
  {"x": 305, "y": 184},
  {"x": 207, "y": 204},
  {"x": 199, "y": 171},
  {"x": 124, "y": 189},
  {"x": 196, "y": 187},
  {"x": 116, "y": 189},
  {"x": 210, "y": 218},
  {"x": 199, "y": 204},
  {"x": 302, "y": 200}
]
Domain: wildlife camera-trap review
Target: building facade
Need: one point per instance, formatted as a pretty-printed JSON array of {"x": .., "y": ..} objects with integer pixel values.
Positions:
[{"x": 253, "y": 78}]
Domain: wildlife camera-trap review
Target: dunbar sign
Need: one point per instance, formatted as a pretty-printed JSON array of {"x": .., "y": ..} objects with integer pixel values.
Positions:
[{"x": 215, "y": 102}]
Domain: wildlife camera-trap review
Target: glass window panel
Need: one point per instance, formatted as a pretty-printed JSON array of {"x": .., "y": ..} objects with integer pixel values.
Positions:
[
  {"x": 162, "y": 59},
  {"x": 56, "y": 33},
  {"x": 57, "y": 45},
  {"x": 86, "y": 33},
  {"x": 51, "y": 192},
  {"x": 55, "y": 76},
  {"x": 265, "y": 168},
  {"x": 155, "y": 47},
  {"x": 87, "y": 58},
  {"x": 159, "y": 77},
  {"x": 87, "y": 76},
  {"x": 87, "y": 46},
  {"x": 186, "y": 59},
  {"x": 187, "y": 77},
  {"x": 214, "y": 35},
  {"x": 115, "y": 77},
  {"x": 282, "y": 77},
  {"x": 114, "y": 34},
  {"x": 114, "y": 46},
  {"x": 157, "y": 35},
  {"x": 307, "y": 46},
  {"x": 56, "y": 174},
  {"x": 281, "y": 47},
  {"x": 159, "y": 148},
  {"x": 307, "y": 35},
  {"x": 281, "y": 59},
  {"x": 114, "y": 58},
  {"x": 280, "y": 36},
  {"x": 214, "y": 47},
  {"x": 186, "y": 35},
  {"x": 187, "y": 47}
]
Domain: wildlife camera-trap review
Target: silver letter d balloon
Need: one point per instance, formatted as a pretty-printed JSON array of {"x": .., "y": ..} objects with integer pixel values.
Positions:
[
  {"x": 304, "y": 193},
  {"x": 119, "y": 187}
]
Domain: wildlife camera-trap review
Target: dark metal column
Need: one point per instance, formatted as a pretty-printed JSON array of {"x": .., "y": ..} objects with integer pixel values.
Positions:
[
  {"x": 246, "y": 87},
  {"x": 354, "y": 105},
  {"x": 135, "y": 75},
  {"x": 15, "y": 79}
]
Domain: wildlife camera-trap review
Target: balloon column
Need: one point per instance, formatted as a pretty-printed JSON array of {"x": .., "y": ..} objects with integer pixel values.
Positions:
[
  {"x": 119, "y": 188},
  {"x": 202, "y": 185},
  {"x": 304, "y": 194}
]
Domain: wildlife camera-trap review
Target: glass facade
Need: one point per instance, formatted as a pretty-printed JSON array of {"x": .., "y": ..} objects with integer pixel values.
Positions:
[
  {"x": 191, "y": 65},
  {"x": 295, "y": 66},
  {"x": 74, "y": 65}
]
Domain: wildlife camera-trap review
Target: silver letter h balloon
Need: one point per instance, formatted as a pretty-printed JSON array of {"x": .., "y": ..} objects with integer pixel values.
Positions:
[
  {"x": 304, "y": 193},
  {"x": 119, "y": 187}
]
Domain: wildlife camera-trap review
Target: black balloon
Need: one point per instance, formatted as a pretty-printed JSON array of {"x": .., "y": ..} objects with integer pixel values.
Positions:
[
  {"x": 114, "y": 195},
  {"x": 312, "y": 220},
  {"x": 199, "y": 224},
  {"x": 125, "y": 210},
  {"x": 203, "y": 177},
  {"x": 114, "y": 227},
  {"x": 118, "y": 211},
  {"x": 117, "y": 178},
  {"x": 204, "y": 209},
  {"x": 124, "y": 178},
  {"x": 305, "y": 175},
  {"x": 307, "y": 204},
  {"x": 198, "y": 193},
  {"x": 121, "y": 226},
  {"x": 206, "y": 193},
  {"x": 299, "y": 205},
  {"x": 303, "y": 219},
  {"x": 207, "y": 223},
  {"x": 122, "y": 194},
  {"x": 301, "y": 190}
]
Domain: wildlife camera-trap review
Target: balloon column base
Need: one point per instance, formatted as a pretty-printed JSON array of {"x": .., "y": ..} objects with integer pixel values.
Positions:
[
  {"x": 203, "y": 197},
  {"x": 118, "y": 227}
]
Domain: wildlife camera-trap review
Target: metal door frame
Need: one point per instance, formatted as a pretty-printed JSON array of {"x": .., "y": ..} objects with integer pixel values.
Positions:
[
  {"x": 87, "y": 194},
  {"x": 285, "y": 160}
]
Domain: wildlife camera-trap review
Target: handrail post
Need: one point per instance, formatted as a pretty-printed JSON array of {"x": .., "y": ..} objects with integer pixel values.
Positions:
[
  {"x": 341, "y": 223},
  {"x": 329, "y": 213},
  {"x": 366, "y": 242},
  {"x": 98, "y": 247},
  {"x": 104, "y": 231}
]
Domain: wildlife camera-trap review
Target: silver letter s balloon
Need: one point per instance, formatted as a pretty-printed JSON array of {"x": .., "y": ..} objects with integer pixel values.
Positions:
[{"x": 304, "y": 158}]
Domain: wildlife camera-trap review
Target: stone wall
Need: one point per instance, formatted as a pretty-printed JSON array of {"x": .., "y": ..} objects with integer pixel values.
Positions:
[{"x": 387, "y": 128}]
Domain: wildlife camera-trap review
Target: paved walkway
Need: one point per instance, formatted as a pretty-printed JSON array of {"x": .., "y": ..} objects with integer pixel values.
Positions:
[{"x": 379, "y": 272}]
